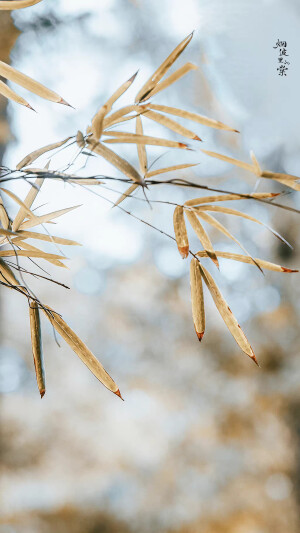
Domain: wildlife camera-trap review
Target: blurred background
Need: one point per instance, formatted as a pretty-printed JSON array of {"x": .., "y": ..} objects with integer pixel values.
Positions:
[{"x": 205, "y": 441}]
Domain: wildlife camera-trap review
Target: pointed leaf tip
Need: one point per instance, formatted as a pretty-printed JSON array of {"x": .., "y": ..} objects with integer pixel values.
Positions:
[
  {"x": 42, "y": 393},
  {"x": 200, "y": 335},
  {"x": 119, "y": 394}
]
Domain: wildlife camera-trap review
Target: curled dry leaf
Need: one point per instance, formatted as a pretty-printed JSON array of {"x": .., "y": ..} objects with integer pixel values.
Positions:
[
  {"x": 245, "y": 259},
  {"x": 150, "y": 84},
  {"x": 197, "y": 298},
  {"x": 10, "y": 73},
  {"x": 17, "y": 4},
  {"x": 227, "y": 315},
  {"x": 86, "y": 356},
  {"x": 181, "y": 235},
  {"x": 202, "y": 236},
  {"x": 37, "y": 349},
  {"x": 37, "y": 153}
]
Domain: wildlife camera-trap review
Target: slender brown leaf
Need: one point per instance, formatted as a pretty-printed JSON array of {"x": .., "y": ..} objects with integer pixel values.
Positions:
[
  {"x": 86, "y": 356},
  {"x": 202, "y": 236},
  {"x": 117, "y": 161},
  {"x": 142, "y": 154},
  {"x": 197, "y": 298},
  {"x": 231, "y": 160},
  {"x": 181, "y": 235},
  {"x": 43, "y": 219},
  {"x": 37, "y": 349},
  {"x": 227, "y": 197},
  {"x": 31, "y": 196},
  {"x": 179, "y": 73},
  {"x": 162, "y": 69},
  {"x": 132, "y": 138},
  {"x": 169, "y": 169},
  {"x": 12, "y": 95},
  {"x": 246, "y": 259},
  {"x": 37, "y": 153},
  {"x": 17, "y": 4},
  {"x": 171, "y": 125},
  {"x": 195, "y": 117},
  {"x": 227, "y": 315},
  {"x": 10, "y": 73},
  {"x": 127, "y": 193},
  {"x": 256, "y": 165}
]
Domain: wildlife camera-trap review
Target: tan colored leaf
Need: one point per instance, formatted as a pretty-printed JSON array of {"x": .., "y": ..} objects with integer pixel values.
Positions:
[
  {"x": 80, "y": 139},
  {"x": 7, "y": 275},
  {"x": 227, "y": 197},
  {"x": 12, "y": 95},
  {"x": 37, "y": 349},
  {"x": 30, "y": 248},
  {"x": 132, "y": 138},
  {"x": 43, "y": 237},
  {"x": 86, "y": 356},
  {"x": 4, "y": 219},
  {"x": 14, "y": 197},
  {"x": 195, "y": 117},
  {"x": 179, "y": 73},
  {"x": 115, "y": 117},
  {"x": 256, "y": 165},
  {"x": 117, "y": 161},
  {"x": 127, "y": 193},
  {"x": 121, "y": 90},
  {"x": 162, "y": 69},
  {"x": 202, "y": 236},
  {"x": 169, "y": 169},
  {"x": 43, "y": 219},
  {"x": 10, "y": 73},
  {"x": 17, "y": 4},
  {"x": 37, "y": 153},
  {"x": 85, "y": 181},
  {"x": 231, "y": 160},
  {"x": 246, "y": 259},
  {"x": 27, "y": 253},
  {"x": 227, "y": 315},
  {"x": 181, "y": 235},
  {"x": 31, "y": 196},
  {"x": 171, "y": 125},
  {"x": 142, "y": 154},
  {"x": 286, "y": 179},
  {"x": 197, "y": 298},
  {"x": 97, "y": 122}
]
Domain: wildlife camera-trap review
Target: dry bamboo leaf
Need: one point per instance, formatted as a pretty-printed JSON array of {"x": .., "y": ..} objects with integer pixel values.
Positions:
[
  {"x": 43, "y": 219},
  {"x": 12, "y": 95},
  {"x": 31, "y": 196},
  {"x": 7, "y": 232},
  {"x": 179, "y": 73},
  {"x": 171, "y": 125},
  {"x": 97, "y": 122},
  {"x": 14, "y": 197},
  {"x": 43, "y": 237},
  {"x": 228, "y": 197},
  {"x": 17, "y": 4},
  {"x": 132, "y": 138},
  {"x": 162, "y": 69},
  {"x": 231, "y": 160},
  {"x": 4, "y": 218},
  {"x": 195, "y": 117},
  {"x": 256, "y": 165},
  {"x": 197, "y": 298},
  {"x": 7, "y": 275},
  {"x": 117, "y": 161},
  {"x": 27, "y": 253},
  {"x": 168, "y": 169},
  {"x": 37, "y": 153},
  {"x": 80, "y": 139},
  {"x": 121, "y": 90},
  {"x": 286, "y": 179},
  {"x": 216, "y": 224},
  {"x": 34, "y": 249},
  {"x": 115, "y": 117},
  {"x": 127, "y": 193},
  {"x": 10, "y": 73},
  {"x": 181, "y": 235},
  {"x": 228, "y": 211},
  {"x": 246, "y": 259},
  {"x": 86, "y": 356},
  {"x": 142, "y": 154},
  {"x": 227, "y": 315},
  {"x": 85, "y": 181},
  {"x": 37, "y": 349},
  {"x": 202, "y": 236}
]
